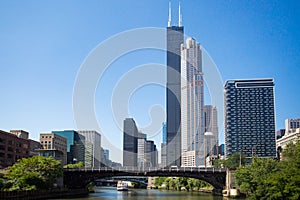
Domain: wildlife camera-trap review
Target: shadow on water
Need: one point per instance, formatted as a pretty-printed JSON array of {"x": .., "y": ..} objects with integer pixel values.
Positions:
[{"x": 111, "y": 193}]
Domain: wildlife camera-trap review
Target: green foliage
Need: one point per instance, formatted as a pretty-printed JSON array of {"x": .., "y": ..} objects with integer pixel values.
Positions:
[
  {"x": 33, "y": 173},
  {"x": 72, "y": 166},
  {"x": 217, "y": 163},
  {"x": 235, "y": 160},
  {"x": 159, "y": 181},
  {"x": 179, "y": 182},
  {"x": 270, "y": 179}
]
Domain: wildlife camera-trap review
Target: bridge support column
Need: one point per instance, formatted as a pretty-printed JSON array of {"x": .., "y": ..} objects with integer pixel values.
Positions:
[{"x": 230, "y": 179}]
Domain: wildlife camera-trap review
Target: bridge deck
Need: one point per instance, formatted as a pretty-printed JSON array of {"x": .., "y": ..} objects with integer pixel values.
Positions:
[{"x": 148, "y": 169}]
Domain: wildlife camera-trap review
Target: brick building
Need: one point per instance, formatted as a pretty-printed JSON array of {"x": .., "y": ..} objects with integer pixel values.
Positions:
[{"x": 12, "y": 148}]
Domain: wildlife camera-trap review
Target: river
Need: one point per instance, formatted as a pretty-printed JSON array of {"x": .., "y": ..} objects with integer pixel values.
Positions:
[{"x": 143, "y": 194}]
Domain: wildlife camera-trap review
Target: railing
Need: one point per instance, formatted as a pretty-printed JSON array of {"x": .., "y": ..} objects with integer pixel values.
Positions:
[{"x": 148, "y": 169}]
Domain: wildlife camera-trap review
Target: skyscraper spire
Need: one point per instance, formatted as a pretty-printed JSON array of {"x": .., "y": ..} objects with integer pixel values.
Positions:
[
  {"x": 179, "y": 16},
  {"x": 169, "y": 20}
]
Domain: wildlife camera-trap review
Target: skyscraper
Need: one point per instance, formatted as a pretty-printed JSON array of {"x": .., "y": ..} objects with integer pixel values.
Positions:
[
  {"x": 141, "y": 149},
  {"x": 164, "y": 132},
  {"x": 174, "y": 41},
  {"x": 130, "y": 143},
  {"x": 192, "y": 103},
  {"x": 250, "y": 117},
  {"x": 163, "y": 147},
  {"x": 150, "y": 154},
  {"x": 92, "y": 142},
  {"x": 211, "y": 126}
]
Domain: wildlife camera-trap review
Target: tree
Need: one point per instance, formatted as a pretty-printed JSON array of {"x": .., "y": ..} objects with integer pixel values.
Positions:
[
  {"x": 159, "y": 181},
  {"x": 270, "y": 179},
  {"x": 33, "y": 173},
  {"x": 218, "y": 163},
  {"x": 235, "y": 160},
  {"x": 76, "y": 165}
]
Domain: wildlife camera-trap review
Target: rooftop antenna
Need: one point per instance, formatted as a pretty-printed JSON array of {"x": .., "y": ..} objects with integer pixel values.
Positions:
[
  {"x": 179, "y": 16},
  {"x": 169, "y": 20}
]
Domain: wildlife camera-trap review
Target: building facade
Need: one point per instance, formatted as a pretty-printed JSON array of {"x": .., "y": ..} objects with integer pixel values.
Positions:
[
  {"x": 292, "y": 137},
  {"x": 192, "y": 104},
  {"x": 291, "y": 125},
  {"x": 130, "y": 143},
  {"x": 163, "y": 147},
  {"x": 141, "y": 150},
  {"x": 12, "y": 148},
  {"x": 280, "y": 133},
  {"x": 250, "y": 117},
  {"x": 173, "y": 92},
  {"x": 75, "y": 145},
  {"x": 54, "y": 146},
  {"x": 92, "y": 144},
  {"x": 150, "y": 154},
  {"x": 106, "y": 153},
  {"x": 211, "y": 126},
  {"x": 34, "y": 145}
]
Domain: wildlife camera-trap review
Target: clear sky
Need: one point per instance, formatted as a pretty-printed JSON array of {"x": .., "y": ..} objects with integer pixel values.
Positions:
[{"x": 43, "y": 44}]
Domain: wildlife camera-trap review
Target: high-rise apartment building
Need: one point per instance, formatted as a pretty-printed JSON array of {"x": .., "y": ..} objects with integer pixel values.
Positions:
[
  {"x": 192, "y": 103},
  {"x": 211, "y": 130},
  {"x": 174, "y": 40},
  {"x": 250, "y": 117},
  {"x": 130, "y": 143},
  {"x": 92, "y": 143}
]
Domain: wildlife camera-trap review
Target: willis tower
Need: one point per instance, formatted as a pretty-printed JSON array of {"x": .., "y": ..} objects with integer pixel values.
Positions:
[{"x": 175, "y": 36}]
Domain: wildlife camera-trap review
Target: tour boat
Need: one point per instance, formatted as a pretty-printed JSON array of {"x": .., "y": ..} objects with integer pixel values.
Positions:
[{"x": 122, "y": 186}]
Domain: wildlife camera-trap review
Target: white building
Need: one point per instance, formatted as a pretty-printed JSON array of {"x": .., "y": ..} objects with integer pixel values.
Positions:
[
  {"x": 92, "y": 143},
  {"x": 192, "y": 103},
  {"x": 291, "y": 125},
  {"x": 141, "y": 150},
  {"x": 288, "y": 138}
]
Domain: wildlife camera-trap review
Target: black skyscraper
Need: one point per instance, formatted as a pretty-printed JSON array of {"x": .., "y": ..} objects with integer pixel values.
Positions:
[{"x": 175, "y": 36}]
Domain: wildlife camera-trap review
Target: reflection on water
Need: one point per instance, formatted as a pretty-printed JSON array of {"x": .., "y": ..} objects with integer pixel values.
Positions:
[{"x": 134, "y": 194}]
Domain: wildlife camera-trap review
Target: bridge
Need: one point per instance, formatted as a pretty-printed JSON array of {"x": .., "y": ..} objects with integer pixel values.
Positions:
[{"x": 80, "y": 177}]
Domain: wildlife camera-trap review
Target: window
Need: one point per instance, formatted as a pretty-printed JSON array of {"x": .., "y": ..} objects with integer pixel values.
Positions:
[{"x": 10, "y": 149}]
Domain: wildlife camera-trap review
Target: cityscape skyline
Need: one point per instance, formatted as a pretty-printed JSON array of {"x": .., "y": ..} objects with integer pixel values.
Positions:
[{"x": 39, "y": 60}]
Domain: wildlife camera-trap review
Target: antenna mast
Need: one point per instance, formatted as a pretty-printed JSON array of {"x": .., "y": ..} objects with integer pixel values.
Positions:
[
  {"x": 179, "y": 16},
  {"x": 170, "y": 12}
]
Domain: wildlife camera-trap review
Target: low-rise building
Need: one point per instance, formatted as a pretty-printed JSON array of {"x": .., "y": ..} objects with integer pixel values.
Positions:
[
  {"x": 289, "y": 137},
  {"x": 12, "y": 148},
  {"x": 55, "y": 146}
]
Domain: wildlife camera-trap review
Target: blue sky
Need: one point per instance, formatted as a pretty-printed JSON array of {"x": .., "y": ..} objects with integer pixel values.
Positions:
[{"x": 43, "y": 44}]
